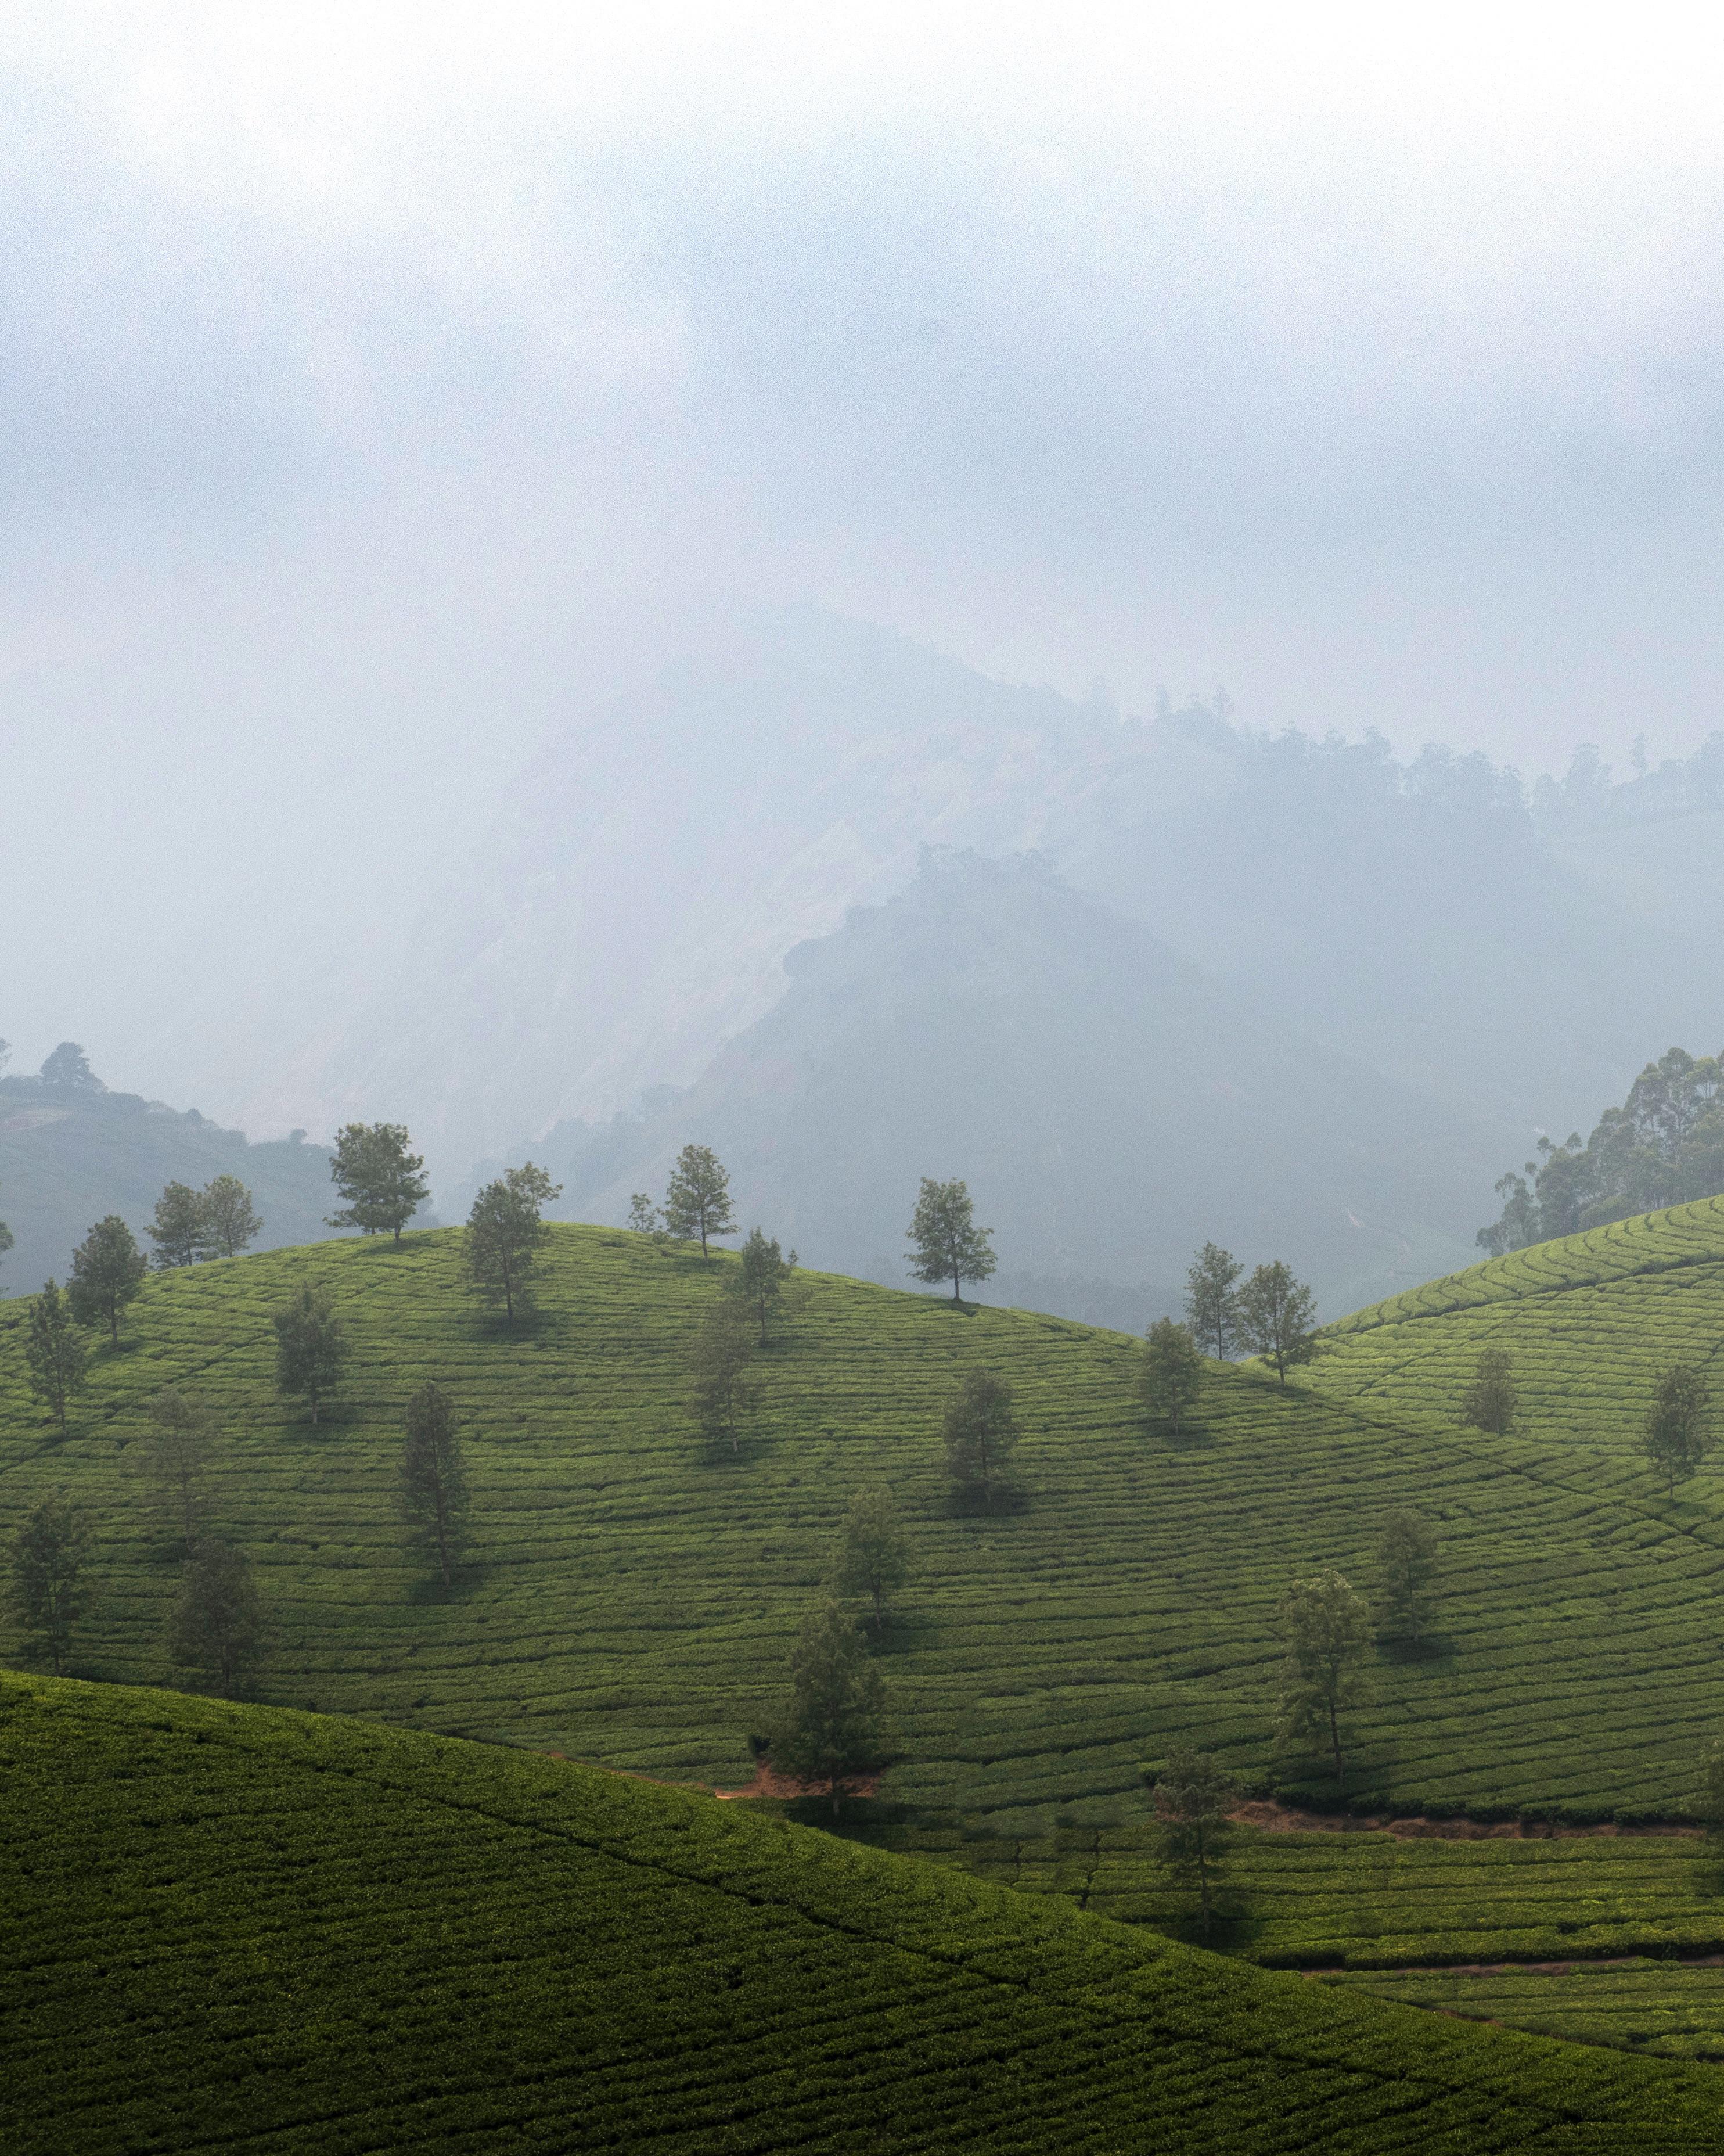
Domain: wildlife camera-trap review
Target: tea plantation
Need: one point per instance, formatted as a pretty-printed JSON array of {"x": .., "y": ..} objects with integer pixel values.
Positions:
[
  {"x": 232, "y": 1926},
  {"x": 1590, "y": 1323},
  {"x": 631, "y": 1596},
  {"x": 1656, "y": 2008}
]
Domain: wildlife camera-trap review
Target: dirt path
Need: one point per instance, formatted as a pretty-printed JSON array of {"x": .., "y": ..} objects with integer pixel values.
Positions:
[
  {"x": 766, "y": 1783},
  {"x": 1272, "y": 1818}
]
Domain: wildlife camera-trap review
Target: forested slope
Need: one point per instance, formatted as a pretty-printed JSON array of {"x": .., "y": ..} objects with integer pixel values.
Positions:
[
  {"x": 233, "y": 1926},
  {"x": 632, "y": 1596}
]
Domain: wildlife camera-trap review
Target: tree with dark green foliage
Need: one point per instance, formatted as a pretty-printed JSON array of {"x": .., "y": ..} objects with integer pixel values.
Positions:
[
  {"x": 1676, "y": 1434},
  {"x": 229, "y": 1219},
  {"x": 872, "y": 1559},
  {"x": 762, "y": 1274},
  {"x": 178, "y": 1229},
  {"x": 1193, "y": 1797},
  {"x": 6, "y": 1234},
  {"x": 1407, "y": 1567},
  {"x": 108, "y": 1268},
  {"x": 1490, "y": 1402},
  {"x": 697, "y": 1201},
  {"x": 311, "y": 1348},
  {"x": 217, "y": 1625},
  {"x": 1173, "y": 1371},
  {"x": 54, "y": 1353},
  {"x": 980, "y": 1430},
  {"x": 505, "y": 1234},
  {"x": 1277, "y": 1319},
  {"x": 1327, "y": 1629},
  {"x": 945, "y": 1242},
  {"x": 829, "y": 1730},
  {"x": 177, "y": 1455},
  {"x": 433, "y": 1476},
  {"x": 375, "y": 1170},
  {"x": 720, "y": 1353},
  {"x": 1212, "y": 1302},
  {"x": 48, "y": 1554}
]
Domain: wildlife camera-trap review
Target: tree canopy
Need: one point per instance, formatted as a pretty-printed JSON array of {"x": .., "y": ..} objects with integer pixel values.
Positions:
[
  {"x": 311, "y": 1348},
  {"x": 697, "y": 1200},
  {"x": 108, "y": 1268},
  {"x": 383, "y": 1181},
  {"x": 1277, "y": 1317},
  {"x": 1212, "y": 1301},
  {"x": 830, "y": 1730},
  {"x": 945, "y": 1242},
  {"x": 505, "y": 1233}
]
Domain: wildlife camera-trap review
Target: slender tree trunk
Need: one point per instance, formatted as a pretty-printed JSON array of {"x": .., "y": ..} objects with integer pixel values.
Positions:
[
  {"x": 114, "y": 1323},
  {"x": 1204, "y": 1880},
  {"x": 314, "y": 1407},
  {"x": 442, "y": 1531},
  {"x": 880, "y": 1611},
  {"x": 1335, "y": 1740}
]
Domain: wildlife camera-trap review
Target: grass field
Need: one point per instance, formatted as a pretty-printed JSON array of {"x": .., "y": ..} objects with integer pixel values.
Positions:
[
  {"x": 228, "y": 1926},
  {"x": 631, "y": 1597},
  {"x": 1590, "y": 1323}
]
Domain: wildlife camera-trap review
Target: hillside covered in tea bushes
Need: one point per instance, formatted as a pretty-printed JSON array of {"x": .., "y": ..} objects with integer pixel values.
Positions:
[
  {"x": 630, "y": 1596},
  {"x": 232, "y": 1926}
]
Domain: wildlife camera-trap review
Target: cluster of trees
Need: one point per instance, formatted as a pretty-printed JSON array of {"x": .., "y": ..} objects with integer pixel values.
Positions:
[
  {"x": 218, "y": 1624},
  {"x": 697, "y": 1206},
  {"x": 216, "y": 1222},
  {"x": 1664, "y": 1145},
  {"x": 1270, "y": 1314}
]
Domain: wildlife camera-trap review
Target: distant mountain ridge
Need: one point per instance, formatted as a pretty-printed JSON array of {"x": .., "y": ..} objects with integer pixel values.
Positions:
[
  {"x": 71, "y": 1154},
  {"x": 1110, "y": 1105}
]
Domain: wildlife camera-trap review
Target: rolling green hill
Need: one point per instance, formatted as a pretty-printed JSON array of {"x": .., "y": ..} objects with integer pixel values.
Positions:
[
  {"x": 231, "y": 1926},
  {"x": 1590, "y": 1321},
  {"x": 632, "y": 1597}
]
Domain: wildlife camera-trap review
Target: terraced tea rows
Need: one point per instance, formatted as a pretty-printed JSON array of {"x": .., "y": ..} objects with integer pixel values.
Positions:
[
  {"x": 1369, "y": 1900},
  {"x": 1658, "y": 2009},
  {"x": 1590, "y": 1323},
  {"x": 631, "y": 1598},
  {"x": 228, "y": 1926}
]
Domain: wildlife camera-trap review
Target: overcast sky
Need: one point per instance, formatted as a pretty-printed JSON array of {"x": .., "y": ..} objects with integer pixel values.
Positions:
[{"x": 383, "y": 383}]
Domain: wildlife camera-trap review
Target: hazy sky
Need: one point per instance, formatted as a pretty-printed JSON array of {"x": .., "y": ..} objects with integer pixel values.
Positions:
[{"x": 381, "y": 383}]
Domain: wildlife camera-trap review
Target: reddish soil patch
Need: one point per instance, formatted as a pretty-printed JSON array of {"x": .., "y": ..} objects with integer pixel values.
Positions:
[
  {"x": 766, "y": 1783},
  {"x": 1273, "y": 1818}
]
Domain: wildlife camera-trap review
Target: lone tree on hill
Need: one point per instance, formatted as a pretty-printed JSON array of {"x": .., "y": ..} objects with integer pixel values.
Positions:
[
  {"x": 68, "y": 1066},
  {"x": 228, "y": 1218},
  {"x": 54, "y": 1353},
  {"x": 1173, "y": 1371},
  {"x": 178, "y": 1452},
  {"x": 871, "y": 1559},
  {"x": 108, "y": 1268},
  {"x": 1674, "y": 1436},
  {"x": 980, "y": 1430},
  {"x": 1277, "y": 1319},
  {"x": 1193, "y": 1797},
  {"x": 829, "y": 1730},
  {"x": 1407, "y": 1566},
  {"x": 505, "y": 1234},
  {"x": 719, "y": 1355},
  {"x": 697, "y": 1202},
  {"x": 1326, "y": 1628},
  {"x": 310, "y": 1346},
  {"x": 762, "y": 1274},
  {"x": 217, "y": 1625},
  {"x": 1211, "y": 1302},
  {"x": 945, "y": 1242},
  {"x": 178, "y": 1229},
  {"x": 434, "y": 1477},
  {"x": 382, "y": 1178},
  {"x": 1490, "y": 1402},
  {"x": 47, "y": 1554}
]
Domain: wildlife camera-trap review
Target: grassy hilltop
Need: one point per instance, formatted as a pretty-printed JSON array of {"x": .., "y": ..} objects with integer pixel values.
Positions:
[
  {"x": 632, "y": 1597},
  {"x": 1590, "y": 1321},
  {"x": 228, "y": 1925}
]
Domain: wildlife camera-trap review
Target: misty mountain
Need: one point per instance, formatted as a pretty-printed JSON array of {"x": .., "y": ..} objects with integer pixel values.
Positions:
[
  {"x": 631, "y": 910},
  {"x": 70, "y": 1154},
  {"x": 1111, "y": 1106}
]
